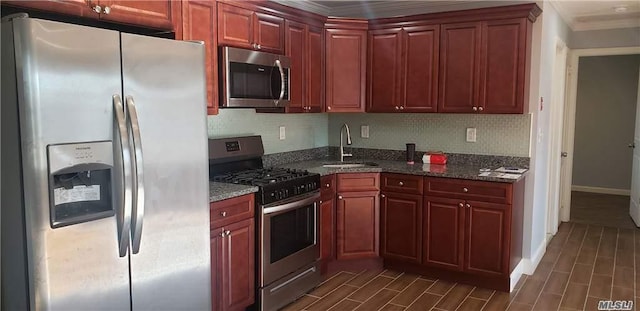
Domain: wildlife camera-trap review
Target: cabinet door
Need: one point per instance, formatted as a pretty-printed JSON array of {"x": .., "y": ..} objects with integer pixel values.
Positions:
[
  {"x": 199, "y": 23},
  {"x": 235, "y": 26},
  {"x": 357, "y": 225},
  {"x": 401, "y": 227},
  {"x": 71, "y": 7},
  {"x": 327, "y": 231},
  {"x": 383, "y": 80},
  {"x": 346, "y": 68},
  {"x": 315, "y": 69},
  {"x": 296, "y": 50},
  {"x": 216, "y": 268},
  {"x": 443, "y": 233},
  {"x": 503, "y": 66},
  {"x": 420, "y": 68},
  {"x": 237, "y": 262},
  {"x": 269, "y": 33},
  {"x": 487, "y": 244},
  {"x": 459, "y": 67},
  {"x": 155, "y": 14}
]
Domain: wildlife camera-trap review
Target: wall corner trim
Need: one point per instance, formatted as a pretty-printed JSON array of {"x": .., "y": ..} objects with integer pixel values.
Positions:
[{"x": 530, "y": 264}]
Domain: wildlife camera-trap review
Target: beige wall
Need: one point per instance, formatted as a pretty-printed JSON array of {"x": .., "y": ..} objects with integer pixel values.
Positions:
[
  {"x": 605, "y": 119},
  {"x": 621, "y": 37}
]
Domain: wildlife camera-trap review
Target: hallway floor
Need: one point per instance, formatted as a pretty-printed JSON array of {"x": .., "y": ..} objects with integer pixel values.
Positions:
[
  {"x": 601, "y": 209},
  {"x": 582, "y": 265}
]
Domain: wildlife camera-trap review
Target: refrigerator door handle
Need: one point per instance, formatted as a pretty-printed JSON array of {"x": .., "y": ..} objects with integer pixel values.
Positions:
[
  {"x": 123, "y": 213},
  {"x": 138, "y": 210}
]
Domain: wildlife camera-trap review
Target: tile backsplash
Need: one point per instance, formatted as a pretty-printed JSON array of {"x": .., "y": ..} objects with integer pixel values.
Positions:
[
  {"x": 506, "y": 135},
  {"x": 303, "y": 131}
]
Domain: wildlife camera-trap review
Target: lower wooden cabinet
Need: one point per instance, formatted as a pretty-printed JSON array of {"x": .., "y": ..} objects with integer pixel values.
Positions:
[
  {"x": 401, "y": 226},
  {"x": 233, "y": 260},
  {"x": 357, "y": 225},
  {"x": 487, "y": 240},
  {"x": 327, "y": 231},
  {"x": 443, "y": 233}
]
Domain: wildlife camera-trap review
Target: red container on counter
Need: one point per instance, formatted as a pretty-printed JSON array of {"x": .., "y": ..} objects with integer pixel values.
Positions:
[{"x": 434, "y": 158}]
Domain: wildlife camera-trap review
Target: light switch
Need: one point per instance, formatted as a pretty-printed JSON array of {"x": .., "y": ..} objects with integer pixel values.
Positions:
[
  {"x": 283, "y": 133},
  {"x": 364, "y": 131},
  {"x": 471, "y": 134}
]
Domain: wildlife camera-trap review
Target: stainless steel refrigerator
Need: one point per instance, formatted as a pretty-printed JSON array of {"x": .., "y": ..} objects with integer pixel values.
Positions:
[{"x": 104, "y": 170}]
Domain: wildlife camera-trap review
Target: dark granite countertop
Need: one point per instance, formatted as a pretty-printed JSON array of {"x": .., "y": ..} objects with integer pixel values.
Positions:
[
  {"x": 222, "y": 191},
  {"x": 461, "y": 171}
]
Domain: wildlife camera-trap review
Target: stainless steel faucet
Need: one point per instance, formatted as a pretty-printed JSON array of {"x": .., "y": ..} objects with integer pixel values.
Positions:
[{"x": 342, "y": 154}]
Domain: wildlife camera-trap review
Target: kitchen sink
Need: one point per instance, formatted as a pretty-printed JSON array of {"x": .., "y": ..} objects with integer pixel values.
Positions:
[{"x": 349, "y": 164}]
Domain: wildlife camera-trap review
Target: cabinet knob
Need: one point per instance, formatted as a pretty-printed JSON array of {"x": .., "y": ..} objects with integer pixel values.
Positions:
[
  {"x": 397, "y": 108},
  {"x": 259, "y": 47},
  {"x": 382, "y": 195},
  {"x": 465, "y": 189},
  {"x": 400, "y": 184},
  {"x": 468, "y": 205},
  {"x": 227, "y": 232},
  {"x": 480, "y": 108},
  {"x": 327, "y": 185},
  {"x": 106, "y": 10},
  {"x": 222, "y": 234},
  {"x": 339, "y": 197},
  {"x": 475, "y": 108},
  {"x": 461, "y": 205},
  {"x": 97, "y": 9},
  {"x": 401, "y": 107},
  {"x": 328, "y": 108},
  {"x": 223, "y": 214},
  {"x": 321, "y": 201}
]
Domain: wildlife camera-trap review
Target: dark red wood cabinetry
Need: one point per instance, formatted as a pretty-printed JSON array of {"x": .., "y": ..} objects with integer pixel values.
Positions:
[
  {"x": 199, "y": 23},
  {"x": 304, "y": 46},
  {"x": 487, "y": 239},
  {"x": 443, "y": 233},
  {"x": 346, "y": 55},
  {"x": 357, "y": 216},
  {"x": 403, "y": 69},
  {"x": 401, "y": 226},
  {"x": 327, "y": 220},
  {"x": 233, "y": 253},
  {"x": 245, "y": 28}
]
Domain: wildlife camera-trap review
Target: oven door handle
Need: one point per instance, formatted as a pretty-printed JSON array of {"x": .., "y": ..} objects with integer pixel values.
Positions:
[{"x": 291, "y": 206}]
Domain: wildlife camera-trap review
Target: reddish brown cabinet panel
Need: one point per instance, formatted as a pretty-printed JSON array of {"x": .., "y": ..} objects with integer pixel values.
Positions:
[
  {"x": 199, "y": 23},
  {"x": 70, "y": 7},
  {"x": 327, "y": 221},
  {"x": 503, "y": 50},
  {"x": 315, "y": 69},
  {"x": 420, "y": 68},
  {"x": 401, "y": 226},
  {"x": 384, "y": 70},
  {"x": 216, "y": 268},
  {"x": 486, "y": 240},
  {"x": 459, "y": 67},
  {"x": 155, "y": 14},
  {"x": 244, "y": 28},
  {"x": 296, "y": 50},
  {"x": 357, "y": 226},
  {"x": 346, "y": 54},
  {"x": 443, "y": 233},
  {"x": 237, "y": 262}
]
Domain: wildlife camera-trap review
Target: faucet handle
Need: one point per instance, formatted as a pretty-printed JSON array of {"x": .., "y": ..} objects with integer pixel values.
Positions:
[{"x": 347, "y": 155}]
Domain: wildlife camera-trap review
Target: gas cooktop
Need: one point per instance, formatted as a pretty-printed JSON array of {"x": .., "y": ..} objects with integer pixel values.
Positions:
[{"x": 261, "y": 177}]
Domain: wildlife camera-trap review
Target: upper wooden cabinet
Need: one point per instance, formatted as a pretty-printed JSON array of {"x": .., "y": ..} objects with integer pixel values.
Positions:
[
  {"x": 244, "y": 28},
  {"x": 304, "y": 46},
  {"x": 346, "y": 54},
  {"x": 403, "y": 69},
  {"x": 199, "y": 23},
  {"x": 159, "y": 14}
]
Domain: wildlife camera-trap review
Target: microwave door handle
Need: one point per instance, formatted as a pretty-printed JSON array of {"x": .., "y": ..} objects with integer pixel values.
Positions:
[
  {"x": 138, "y": 212},
  {"x": 282, "y": 80},
  {"x": 126, "y": 191}
]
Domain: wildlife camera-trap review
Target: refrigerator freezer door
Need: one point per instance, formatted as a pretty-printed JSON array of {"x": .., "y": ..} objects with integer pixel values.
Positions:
[
  {"x": 66, "y": 77},
  {"x": 166, "y": 80}
]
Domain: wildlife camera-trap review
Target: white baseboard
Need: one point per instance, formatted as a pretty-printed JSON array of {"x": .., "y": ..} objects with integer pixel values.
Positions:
[
  {"x": 601, "y": 190},
  {"x": 516, "y": 274},
  {"x": 530, "y": 264}
]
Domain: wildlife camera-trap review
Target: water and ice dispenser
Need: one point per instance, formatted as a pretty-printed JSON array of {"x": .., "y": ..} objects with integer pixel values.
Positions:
[{"x": 80, "y": 182}]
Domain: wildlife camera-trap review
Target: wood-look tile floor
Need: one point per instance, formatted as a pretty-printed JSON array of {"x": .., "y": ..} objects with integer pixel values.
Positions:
[
  {"x": 601, "y": 209},
  {"x": 582, "y": 265}
]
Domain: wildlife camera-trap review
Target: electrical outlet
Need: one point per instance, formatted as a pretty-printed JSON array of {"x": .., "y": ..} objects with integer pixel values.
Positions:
[
  {"x": 283, "y": 133},
  {"x": 364, "y": 131},
  {"x": 471, "y": 134}
]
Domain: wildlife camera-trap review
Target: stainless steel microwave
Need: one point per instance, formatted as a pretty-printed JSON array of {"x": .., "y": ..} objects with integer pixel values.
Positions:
[{"x": 253, "y": 79}]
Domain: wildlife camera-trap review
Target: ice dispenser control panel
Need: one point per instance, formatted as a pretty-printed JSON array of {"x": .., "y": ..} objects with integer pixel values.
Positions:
[{"x": 80, "y": 182}]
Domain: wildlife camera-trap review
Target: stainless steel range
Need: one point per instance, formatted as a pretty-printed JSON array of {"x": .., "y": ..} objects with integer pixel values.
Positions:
[{"x": 287, "y": 207}]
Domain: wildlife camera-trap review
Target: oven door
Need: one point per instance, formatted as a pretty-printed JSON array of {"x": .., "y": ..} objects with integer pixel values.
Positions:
[{"x": 289, "y": 237}]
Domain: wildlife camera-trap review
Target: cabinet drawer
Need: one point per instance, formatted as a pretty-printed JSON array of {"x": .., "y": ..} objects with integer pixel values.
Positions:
[
  {"x": 328, "y": 186},
  {"x": 358, "y": 182},
  {"x": 228, "y": 211},
  {"x": 484, "y": 191},
  {"x": 402, "y": 183}
]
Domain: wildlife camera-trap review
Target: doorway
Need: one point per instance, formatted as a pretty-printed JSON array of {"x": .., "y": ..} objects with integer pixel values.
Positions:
[{"x": 599, "y": 129}]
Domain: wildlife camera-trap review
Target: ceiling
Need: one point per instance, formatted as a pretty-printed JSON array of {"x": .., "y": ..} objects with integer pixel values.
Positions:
[{"x": 578, "y": 14}]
